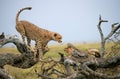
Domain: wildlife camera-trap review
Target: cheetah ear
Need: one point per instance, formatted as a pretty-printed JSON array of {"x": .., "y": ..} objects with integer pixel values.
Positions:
[{"x": 55, "y": 34}]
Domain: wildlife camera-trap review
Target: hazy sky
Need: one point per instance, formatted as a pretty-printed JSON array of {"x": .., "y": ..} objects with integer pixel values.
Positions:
[{"x": 75, "y": 20}]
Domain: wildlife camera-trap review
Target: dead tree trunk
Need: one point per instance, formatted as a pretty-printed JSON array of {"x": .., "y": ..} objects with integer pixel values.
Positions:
[{"x": 114, "y": 28}]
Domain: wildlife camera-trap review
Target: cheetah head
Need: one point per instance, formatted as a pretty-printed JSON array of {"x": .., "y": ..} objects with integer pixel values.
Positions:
[{"x": 57, "y": 37}]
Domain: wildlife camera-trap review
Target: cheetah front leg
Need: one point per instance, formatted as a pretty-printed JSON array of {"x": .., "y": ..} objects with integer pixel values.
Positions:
[
  {"x": 45, "y": 49},
  {"x": 38, "y": 49}
]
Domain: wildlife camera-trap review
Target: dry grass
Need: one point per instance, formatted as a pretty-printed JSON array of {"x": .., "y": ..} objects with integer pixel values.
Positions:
[{"x": 9, "y": 50}]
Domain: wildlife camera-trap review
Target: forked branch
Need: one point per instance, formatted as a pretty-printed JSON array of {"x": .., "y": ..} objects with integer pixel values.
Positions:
[{"x": 114, "y": 28}]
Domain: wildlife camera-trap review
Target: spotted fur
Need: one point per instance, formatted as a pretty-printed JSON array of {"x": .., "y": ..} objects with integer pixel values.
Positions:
[{"x": 32, "y": 32}]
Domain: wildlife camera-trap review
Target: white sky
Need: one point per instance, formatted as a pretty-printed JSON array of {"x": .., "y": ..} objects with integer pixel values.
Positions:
[{"x": 75, "y": 20}]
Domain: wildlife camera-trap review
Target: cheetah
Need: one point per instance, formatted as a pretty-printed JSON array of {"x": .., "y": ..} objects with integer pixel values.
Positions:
[
  {"x": 31, "y": 31},
  {"x": 91, "y": 52},
  {"x": 94, "y": 52}
]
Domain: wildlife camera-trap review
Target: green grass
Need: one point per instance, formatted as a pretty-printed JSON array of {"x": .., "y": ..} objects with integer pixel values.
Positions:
[{"x": 18, "y": 73}]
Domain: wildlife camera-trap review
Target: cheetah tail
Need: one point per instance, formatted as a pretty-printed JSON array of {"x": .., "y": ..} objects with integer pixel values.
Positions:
[{"x": 26, "y": 8}]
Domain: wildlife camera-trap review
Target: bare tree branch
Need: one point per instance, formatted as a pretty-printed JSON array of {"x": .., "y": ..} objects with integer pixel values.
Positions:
[{"x": 103, "y": 39}]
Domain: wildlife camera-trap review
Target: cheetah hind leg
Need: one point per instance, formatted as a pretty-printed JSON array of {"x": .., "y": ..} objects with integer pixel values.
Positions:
[
  {"x": 28, "y": 43},
  {"x": 23, "y": 36}
]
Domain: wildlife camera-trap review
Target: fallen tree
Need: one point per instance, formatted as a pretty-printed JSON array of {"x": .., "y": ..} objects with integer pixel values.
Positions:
[
  {"x": 83, "y": 65},
  {"x": 80, "y": 66}
]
